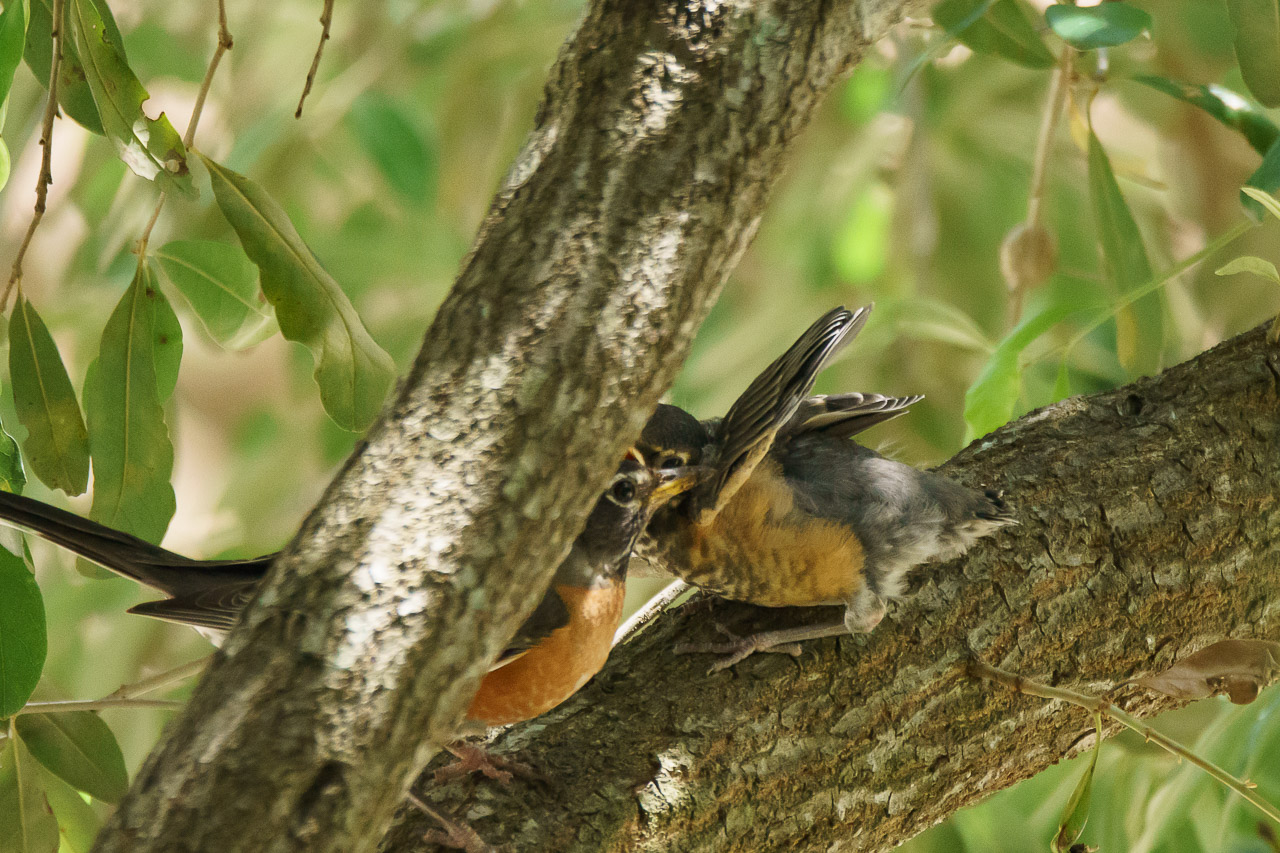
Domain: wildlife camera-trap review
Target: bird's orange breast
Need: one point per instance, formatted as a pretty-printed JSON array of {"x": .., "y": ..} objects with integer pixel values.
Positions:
[
  {"x": 764, "y": 549},
  {"x": 556, "y": 668}
]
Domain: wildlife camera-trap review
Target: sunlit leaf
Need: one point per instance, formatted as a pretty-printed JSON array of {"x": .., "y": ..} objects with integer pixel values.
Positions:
[
  {"x": 1240, "y": 668},
  {"x": 22, "y": 633},
  {"x": 1076, "y": 813},
  {"x": 1062, "y": 385},
  {"x": 1258, "y": 266},
  {"x": 1257, "y": 25},
  {"x": 1091, "y": 27},
  {"x": 405, "y": 155},
  {"x": 859, "y": 248},
  {"x": 1224, "y": 105},
  {"x": 1266, "y": 181},
  {"x": 27, "y": 824},
  {"x": 74, "y": 95},
  {"x": 1124, "y": 259},
  {"x": 990, "y": 401},
  {"x": 127, "y": 384},
  {"x": 80, "y": 749},
  {"x": 13, "y": 34},
  {"x": 219, "y": 282},
  {"x": 1004, "y": 30},
  {"x": 12, "y": 477},
  {"x": 5, "y": 164},
  {"x": 77, "y": 821},
  {"x": 150, "y": 147},
  {"x": 57, "y": 444},
  {"x": 352, "y": 371}
]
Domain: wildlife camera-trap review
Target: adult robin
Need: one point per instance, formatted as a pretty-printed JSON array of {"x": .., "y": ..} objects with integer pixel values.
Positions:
[
  {"x": 796, "y": 513},
  {"x": 552, "y": 655}
]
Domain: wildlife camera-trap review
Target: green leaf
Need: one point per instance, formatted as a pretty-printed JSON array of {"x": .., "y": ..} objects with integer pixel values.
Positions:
[
  {"x": 220, "y": 283},
  {"x": 5, "y": 164},
  {"x": 407, "y": 158},
  {"x": 1262, "y": 184},
  {"x": 1258, "y": 266},
  {"x": 57, "y": 444},
  {"x": 124, "y": 391},
  {"x": 13, "y": 34},
  {"x": 1062, "y": 385},
  {"x": 23, "y": 642},
  {"x": 78, "y": 748},
  {"x": 12, "y": 477},
  {"x": 1257, "y": 25},
  {"x": 1226, "y": 106},
  {"x": 73, "y": 89},
  {"x": 77, "y": 821},
  {"x": 1004, "y": 30},
  {"x": 1076, "y": 814},
  {"x": 1091, "y": 27},
  {"x": 990, "y": 401},
  {"x": 149, "y": 147},
  {"x": 27, "y": 824},
  {"x": 353, "y": 372},
  {"x": 1125, "y": 263}
]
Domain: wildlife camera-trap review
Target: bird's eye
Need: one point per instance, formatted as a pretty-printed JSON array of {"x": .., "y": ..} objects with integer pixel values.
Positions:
[
  {"x": 623, "y": 491},
  {"x": 674, "y": 460}
]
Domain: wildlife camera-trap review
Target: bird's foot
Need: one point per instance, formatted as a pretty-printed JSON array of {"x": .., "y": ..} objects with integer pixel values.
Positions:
[
  {"x": 452, "y": 834},
  {"x": 738, "y": 648},
  {"x": 476, "y": 759}
]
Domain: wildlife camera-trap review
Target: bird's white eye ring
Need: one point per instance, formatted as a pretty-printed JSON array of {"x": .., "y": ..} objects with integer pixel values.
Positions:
[
  {"x": 622, "y": 491},
  {"x": 673, "y": 460}
]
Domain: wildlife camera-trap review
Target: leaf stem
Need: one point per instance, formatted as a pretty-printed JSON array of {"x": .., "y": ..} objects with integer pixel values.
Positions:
[
  {"x": 46, "y": 156},
  {"x": 1097, "y": 705}
]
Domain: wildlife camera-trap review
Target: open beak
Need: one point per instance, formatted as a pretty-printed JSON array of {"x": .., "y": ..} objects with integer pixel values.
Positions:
[{"x": 672, "y": 482}]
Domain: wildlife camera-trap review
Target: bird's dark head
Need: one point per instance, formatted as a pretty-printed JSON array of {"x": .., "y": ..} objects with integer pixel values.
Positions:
[
  {"x": 673, "y": 438},
  {"x": 623, "y": 510}
]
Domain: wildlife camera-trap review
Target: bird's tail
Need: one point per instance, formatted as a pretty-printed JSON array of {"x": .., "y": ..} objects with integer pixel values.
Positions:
[{"x": 112, "y": 549}]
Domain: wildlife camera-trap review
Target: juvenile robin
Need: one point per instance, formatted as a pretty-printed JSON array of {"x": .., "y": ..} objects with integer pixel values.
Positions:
[
  {"x": 796, "y": 513},
  {"x": 552, "y": 655}
]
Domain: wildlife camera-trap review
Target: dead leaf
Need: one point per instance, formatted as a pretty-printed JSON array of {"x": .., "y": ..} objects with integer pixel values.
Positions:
[{"x": 1239, "y": 668}]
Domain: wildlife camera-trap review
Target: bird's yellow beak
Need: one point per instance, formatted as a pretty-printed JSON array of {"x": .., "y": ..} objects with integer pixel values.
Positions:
[{"x": 671, "y": 482}]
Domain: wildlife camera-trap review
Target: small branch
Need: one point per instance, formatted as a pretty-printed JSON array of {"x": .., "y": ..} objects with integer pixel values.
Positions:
[
  {"x": 326, "y": 19},
  {"x": 161, "y": 680},
  {"x": 96, "y": 705},
  {"x": 46, "y": 165},
  {"x": 1040, "y": 167},
  {"x": 1096, "y": 705},
  {"x": 224, "y": 44}
]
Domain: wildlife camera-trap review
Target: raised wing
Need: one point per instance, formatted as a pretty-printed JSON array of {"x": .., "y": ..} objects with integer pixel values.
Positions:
[
  {"x": 844, "y": 415},
  {"x": 770, "y": 401}
]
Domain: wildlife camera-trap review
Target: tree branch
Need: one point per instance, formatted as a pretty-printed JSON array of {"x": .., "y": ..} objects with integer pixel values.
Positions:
[
  {"x": 1148, "y": 518},
  {"x": 663, "y": 128}
]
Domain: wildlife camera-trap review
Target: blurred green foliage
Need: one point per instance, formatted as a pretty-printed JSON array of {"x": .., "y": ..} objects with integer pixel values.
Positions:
[{"x": 901, "y": 192}]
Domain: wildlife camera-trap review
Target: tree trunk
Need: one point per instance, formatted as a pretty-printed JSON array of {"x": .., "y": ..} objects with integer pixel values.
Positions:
[
  {"x": 664, "y": 126},
  {"x": 1148, "y": 519}
]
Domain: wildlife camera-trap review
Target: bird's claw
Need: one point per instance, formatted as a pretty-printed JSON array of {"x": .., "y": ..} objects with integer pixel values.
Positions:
[
  {"x": 474, "y": 759},
  {"x": 737, "y": 650}
]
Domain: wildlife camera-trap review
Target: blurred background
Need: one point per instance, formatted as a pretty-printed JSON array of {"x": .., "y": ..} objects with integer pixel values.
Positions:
[{"x": 901, "y": 192}]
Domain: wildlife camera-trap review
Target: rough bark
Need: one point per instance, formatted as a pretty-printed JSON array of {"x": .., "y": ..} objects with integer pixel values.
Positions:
[
  {"x": 1149, "y": 529},
  {"x": 664, "y": 125}
]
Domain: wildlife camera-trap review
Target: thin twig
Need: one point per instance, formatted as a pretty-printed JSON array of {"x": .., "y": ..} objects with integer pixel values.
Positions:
[
  {"x": 224, "y": 44},
  {"x": 1097, "y": 705},
  {"x": 1053, "y": 107},
  {"x": 96, "y": 705},
  {"x": 46, "y": 164},
  {"x": 161, "y": 680},
  {"x": 326, "y": 20}
]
